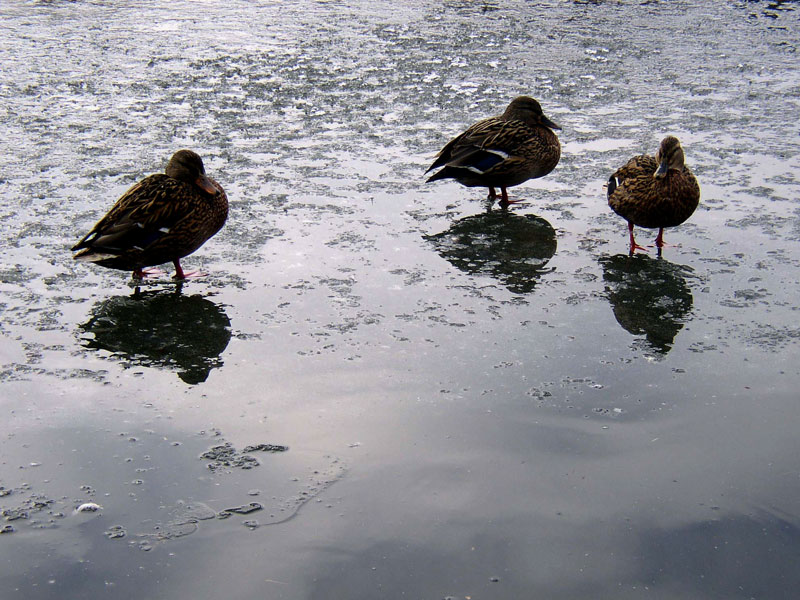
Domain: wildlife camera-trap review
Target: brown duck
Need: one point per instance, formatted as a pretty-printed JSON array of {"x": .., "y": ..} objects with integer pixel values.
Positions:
[
  {"x": 502, "y": 151},
  {"x": 161, "y": 219},
  {"x": 654, "y": 192}
]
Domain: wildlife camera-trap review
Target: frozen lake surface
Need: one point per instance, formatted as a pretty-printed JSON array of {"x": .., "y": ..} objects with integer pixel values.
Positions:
[{"x": 385, "y": 388}]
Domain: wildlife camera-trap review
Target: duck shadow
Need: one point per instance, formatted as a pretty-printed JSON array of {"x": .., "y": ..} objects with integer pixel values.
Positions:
[
  {"x": 162, "y": 329},
  {"x": 514, "y": 249},
  {"x": 649, "y": 297}
]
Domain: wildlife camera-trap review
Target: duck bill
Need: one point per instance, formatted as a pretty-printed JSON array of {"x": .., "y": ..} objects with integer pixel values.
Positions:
[
  {"x": 204, "y": 183},
  {"x": 547, "y": 122},
  {"x": 661, "y": 172}
]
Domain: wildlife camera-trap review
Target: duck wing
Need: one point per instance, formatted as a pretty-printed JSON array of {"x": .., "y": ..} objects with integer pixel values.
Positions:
[
  {"x": 486, "y": 144},
  {"x": 141, "y": 217},
  {"x": 637, "y": 169}
]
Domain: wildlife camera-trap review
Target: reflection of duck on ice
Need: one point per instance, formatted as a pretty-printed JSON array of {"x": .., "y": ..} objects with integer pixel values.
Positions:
[
  {"x": 161, "y": 329},
  {"x": 649, "y": 297},
  {"x": 511, "y": 248}
]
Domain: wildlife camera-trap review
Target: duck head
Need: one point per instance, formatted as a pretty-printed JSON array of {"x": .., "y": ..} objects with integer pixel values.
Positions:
[
  {"x": 525, "y": 108},
  {"x": 187, "y": 166},
  {"x": 669, "y": 156}
]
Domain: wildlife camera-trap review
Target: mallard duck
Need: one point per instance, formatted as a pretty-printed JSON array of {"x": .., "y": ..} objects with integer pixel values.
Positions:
[
  {"x": 654, "y": 192},
  {"x": 162, "y": 218},
  {"x": 502, "y": 151}
]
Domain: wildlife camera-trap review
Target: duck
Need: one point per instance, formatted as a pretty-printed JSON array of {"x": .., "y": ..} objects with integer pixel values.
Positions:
[
  {"x": 161, "y": 219},
  {"x": 502, "y": 151},
  {"x": 654, "y": 192}
]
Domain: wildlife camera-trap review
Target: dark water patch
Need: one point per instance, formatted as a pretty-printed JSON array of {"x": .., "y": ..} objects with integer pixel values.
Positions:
[
  {"x": 770, "y": 224},
  {"x": 35, "y": 509},
  {"x": 26, "y": 372},
  {"x": 717, "y": 557},
  {"x": 715, "y": 553},
  {"x": 746, "y": 298},
  {"x": 225, "y": 456},
  {"x": 352, "y": 241},
  {"x": 767, "y": 336}
]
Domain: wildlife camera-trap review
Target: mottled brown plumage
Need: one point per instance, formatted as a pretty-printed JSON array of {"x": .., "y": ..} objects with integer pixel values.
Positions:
[
  {"x": 502, "y": 151},
  {"x": 161, "y": 219},
  {"x": 654, "y": 192}
]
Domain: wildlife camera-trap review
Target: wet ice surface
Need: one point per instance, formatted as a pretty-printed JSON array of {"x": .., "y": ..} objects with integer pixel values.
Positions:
[{"x": 485, "y": 405}]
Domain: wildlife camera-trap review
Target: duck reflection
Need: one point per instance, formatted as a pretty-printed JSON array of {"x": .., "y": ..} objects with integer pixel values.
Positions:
[
  {"x": 161, "y": 329},
  {"x": 511, "y": 248},
  {"x": 649, "y": 297}
]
